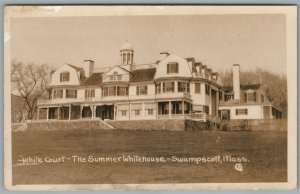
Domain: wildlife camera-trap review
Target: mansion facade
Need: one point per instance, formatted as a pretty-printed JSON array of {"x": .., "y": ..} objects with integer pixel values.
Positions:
[{"x": 172, "y": 87}]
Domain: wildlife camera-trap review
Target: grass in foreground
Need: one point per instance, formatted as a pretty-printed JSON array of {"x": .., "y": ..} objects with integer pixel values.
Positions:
[{"x": 266, "y": 152}]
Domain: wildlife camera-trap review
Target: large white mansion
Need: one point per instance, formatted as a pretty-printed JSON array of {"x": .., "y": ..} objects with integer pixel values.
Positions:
[{"x": 172, "y": 87}]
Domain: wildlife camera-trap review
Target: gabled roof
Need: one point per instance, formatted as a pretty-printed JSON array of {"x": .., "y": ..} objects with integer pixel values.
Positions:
[
  {"x": 78, "y": 69},
  {"x": 143, "y": 75},
  {"x": 243, "y": 87},
  {"x": 94, "y": 79}
]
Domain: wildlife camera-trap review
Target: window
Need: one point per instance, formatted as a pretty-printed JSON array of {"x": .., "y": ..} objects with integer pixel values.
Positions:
[
  {"x": 158, "y": 88},
  {"x": 64, "y": 77},
  {"x": 123, "y": 113},
  {"x": 115, "y": 76},
  {"x": 90, "y": 93},
  {"x": 122, "y": 91},
  {"x": 150, "y": 111},
  {"x": 168, "y": 87},
  {"x": 197, "y": 88},
  {"x": 220, "y": 95},
  {"x": 262, "y": 98},
  {"x": 141, "y": 90},
  {"x": 172, "y": 68},
  {"x": 206, "y": 109},
  {"x": 112, "y": 91},
  {"x": 183, "y": 87},
  {"x": 71, "y": 93},
  {"x": 136, "y": 109},
  {"x": 105, "y": 91},
  {"x": 241, "y": 111},
  {"x": 251, "y": 97},
  {"x": 123, "y": 109},
  {"x": 229, "y": 97},
  {"x": 58, "y": 94},
  {"x": 150, "y": 108},
  {"x": 207, "y": 89}
]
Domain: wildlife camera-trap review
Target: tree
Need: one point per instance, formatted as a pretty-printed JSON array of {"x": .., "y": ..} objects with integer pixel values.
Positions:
[{"x": 31, "y": 83}]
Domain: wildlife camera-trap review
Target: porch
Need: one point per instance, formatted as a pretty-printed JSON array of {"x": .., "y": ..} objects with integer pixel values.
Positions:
[{"x": 76, "y": 112}]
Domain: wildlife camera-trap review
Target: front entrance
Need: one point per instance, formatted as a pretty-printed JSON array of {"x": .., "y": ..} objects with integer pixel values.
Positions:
[{"x": 105, "y": 112}]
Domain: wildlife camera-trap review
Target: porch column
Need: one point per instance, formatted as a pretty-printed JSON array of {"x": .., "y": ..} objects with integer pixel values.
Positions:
[
  {"x": 58, "y": 112},
  {"x": 114, "y": 112},
  {"x": 170, "y": 109},
  {"x": 129, "y": 110},
  {"x": 156, "y": 104},
  {"x": 80, "y": 112},
  {"x": 182, "y": 108},
  {"x": 70, "y": 112},
  {"x": 94, "y": 111}
]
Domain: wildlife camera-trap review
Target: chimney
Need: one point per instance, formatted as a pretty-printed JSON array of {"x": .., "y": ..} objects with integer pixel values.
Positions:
[
  {"x": 88, "y": 67},
  {"x": 198, "y": 70},
  {"x": 236, "y": 81},
  {"x": 163, "y": 55}
]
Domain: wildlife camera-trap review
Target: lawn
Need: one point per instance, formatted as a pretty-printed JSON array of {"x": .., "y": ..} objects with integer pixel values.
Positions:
[{"x": 265, "y": 151}]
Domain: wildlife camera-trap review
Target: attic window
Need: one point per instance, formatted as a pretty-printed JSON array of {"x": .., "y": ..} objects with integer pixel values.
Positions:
[
  {"x": 172, "y": 68},
  {"x": 64, "y": 77}
]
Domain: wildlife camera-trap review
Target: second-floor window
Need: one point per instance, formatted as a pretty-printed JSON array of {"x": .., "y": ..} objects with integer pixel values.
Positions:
[
  {"x": 251, "y": 97},
  {"x": 197, "y": 88},
  {"x": 90, "y": 93},
  {"x": 229, "y": 97},
  {"x": 115, "y": 91},
  {"x": 64, "y": 77},
  {"x": 207, "y": 89},
  {"x": 71, "y": 93},
  {"x": 158, "y": 88},
  {"x": 220, "y": 95},
  {"x": 183, "y": 87},
  {"x": 168, "y": 87},
  {"x": 58, "y": 94},
  {"x": 141, "y": 90},
  {"x": 172, "y": 68},
  {"x": 122, "y": 90}
]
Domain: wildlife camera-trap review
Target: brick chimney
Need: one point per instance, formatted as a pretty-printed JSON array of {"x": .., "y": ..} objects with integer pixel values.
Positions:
[{"x": 236, "y": 81}]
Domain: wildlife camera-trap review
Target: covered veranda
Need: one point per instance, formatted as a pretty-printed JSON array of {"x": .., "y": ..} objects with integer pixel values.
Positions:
[{"x": 77, "y": 111}]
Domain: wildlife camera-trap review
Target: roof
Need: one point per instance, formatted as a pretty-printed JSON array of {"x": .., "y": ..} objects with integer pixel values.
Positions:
[
  {"x": 127, "y": 46},
  {"x": 78, "y": 69},
  {"x": 243, "y": 87},
  {"x": 143, "y": 75},
  {"x": 94, "y": 79}
]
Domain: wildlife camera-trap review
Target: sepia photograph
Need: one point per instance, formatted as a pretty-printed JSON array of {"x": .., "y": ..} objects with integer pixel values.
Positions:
[{"x": 150, "y": 97}]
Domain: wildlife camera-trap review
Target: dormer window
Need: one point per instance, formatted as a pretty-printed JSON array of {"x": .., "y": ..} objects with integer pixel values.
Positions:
[
  {"x": 115, "y": 76},
  {"x": 64, "y": 77},
  {"x": 172, "y": 68}
]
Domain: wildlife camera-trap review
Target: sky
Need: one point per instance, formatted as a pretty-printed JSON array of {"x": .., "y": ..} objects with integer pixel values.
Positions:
[{"x": 218, "y": 41}]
